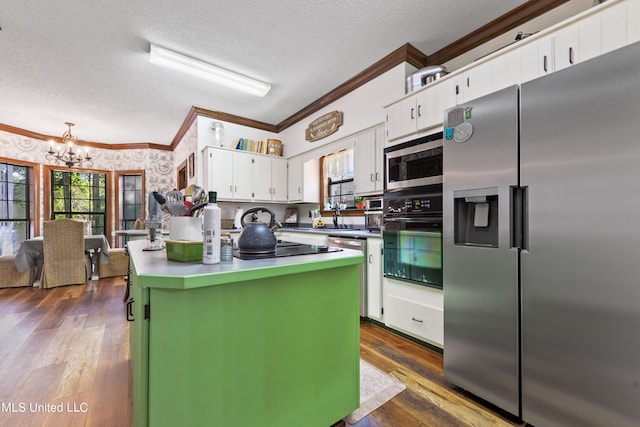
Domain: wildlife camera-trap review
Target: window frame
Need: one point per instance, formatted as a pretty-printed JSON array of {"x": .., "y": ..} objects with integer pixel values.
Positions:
[
  {"x": 108, "y": 212},
  {"x": 34, "y": 193},
  {"x": 324, "y": 191},
  {"x": 118, "y": 193}
]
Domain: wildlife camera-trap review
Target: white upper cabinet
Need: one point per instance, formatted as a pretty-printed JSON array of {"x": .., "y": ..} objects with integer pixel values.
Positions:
[
  {"x": 242, "y": 176},
  {"x": 431, "y": 104},
  {"x": 261, "y": 169},
  {"x": 633, "y": 17},
  {"x": 303, "y": 180},
  {"x": 402, "y": 118},
  {"x": 295, "y": 182},
  {"x": 592, "y": 36},
  {"x": 218, "y": 171},
  {"x": 477, "y": 82},
  {"x": 279, "y": 179},
  {"x": 612, "y": 25},
  {"x": 368, "y": 158},
  {"x": 537, "y": 58},
  {"x": 567, "y": 43},
  {"x": 417, "y": 112},
  {"x": 269, "y": 178},
  {"x": 590, "y": 44}
]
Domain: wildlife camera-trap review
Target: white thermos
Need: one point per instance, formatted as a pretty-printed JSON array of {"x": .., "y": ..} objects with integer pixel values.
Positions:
[{"x": 212, "y": 218}]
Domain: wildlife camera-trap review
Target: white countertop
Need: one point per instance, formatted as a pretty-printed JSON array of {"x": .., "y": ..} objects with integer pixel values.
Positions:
[
  {"x": 183, "y": 275},
  {"x": 342, "y": 232}
]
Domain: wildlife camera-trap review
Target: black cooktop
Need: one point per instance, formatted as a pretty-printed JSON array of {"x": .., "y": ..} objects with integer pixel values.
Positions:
[{"x": 287, "y": 249}]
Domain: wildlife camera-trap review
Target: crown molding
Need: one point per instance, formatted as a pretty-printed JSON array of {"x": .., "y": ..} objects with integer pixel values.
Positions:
[
  {"x": 495, "y": 28},
  {"x": 81, "y": 142},
  {"x": 406, "y": 53}
]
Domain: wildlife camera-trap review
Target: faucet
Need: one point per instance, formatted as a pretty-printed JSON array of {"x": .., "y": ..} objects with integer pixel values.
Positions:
[{"x": 336, "y": 214}]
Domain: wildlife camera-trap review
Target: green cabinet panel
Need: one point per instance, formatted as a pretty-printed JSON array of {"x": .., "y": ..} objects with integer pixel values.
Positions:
[{"x": 280, "y": 350}]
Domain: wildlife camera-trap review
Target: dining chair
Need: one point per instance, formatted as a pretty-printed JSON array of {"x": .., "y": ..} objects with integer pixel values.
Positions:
[
  {"x": 65, "y": 262},
  {"x": 10, "y": 277},
  {"x": 118, "y": 264}
]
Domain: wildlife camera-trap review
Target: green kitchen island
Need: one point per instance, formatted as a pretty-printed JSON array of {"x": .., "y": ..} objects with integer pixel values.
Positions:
[{"x": 244, "y": 343}]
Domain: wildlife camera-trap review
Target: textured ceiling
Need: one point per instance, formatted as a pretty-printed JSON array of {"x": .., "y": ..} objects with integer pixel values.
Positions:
[{"x": 86, "y": 61}]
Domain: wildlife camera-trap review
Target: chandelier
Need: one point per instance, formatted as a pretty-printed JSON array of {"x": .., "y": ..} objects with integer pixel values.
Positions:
[{"x": 68, "y": 153}]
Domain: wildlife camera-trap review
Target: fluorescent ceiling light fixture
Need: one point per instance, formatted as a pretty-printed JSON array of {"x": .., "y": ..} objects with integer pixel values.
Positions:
[{"x": 176, "y": 61}]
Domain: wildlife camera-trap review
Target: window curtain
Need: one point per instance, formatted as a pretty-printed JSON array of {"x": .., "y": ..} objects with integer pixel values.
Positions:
[{"x": 339, "y": 166}]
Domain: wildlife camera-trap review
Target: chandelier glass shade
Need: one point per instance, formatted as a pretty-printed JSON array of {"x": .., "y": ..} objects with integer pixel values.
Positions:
[{"x": 68, "y": 152}]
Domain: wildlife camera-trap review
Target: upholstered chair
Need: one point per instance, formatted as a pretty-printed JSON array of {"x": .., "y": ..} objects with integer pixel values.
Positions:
[
  {"x": 10, "y": 277},
  {"x": 65, "y": 262},
  {"x": 118, "y": 264}
]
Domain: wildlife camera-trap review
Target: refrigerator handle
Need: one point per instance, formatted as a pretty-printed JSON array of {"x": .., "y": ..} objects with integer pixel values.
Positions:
[{"x": 519, "y": 229}]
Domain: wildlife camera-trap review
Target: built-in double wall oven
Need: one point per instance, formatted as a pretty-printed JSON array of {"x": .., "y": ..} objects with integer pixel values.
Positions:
[{"x": 412, "y": 205}]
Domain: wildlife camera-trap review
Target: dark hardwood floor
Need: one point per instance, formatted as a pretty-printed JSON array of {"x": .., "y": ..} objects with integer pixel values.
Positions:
[
  {"x": 64, "y": 356},
  {"x": 67, "y": 350}
]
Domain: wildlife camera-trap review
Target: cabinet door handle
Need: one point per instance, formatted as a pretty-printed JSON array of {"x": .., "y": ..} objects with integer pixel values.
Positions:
[
  {"x": 231, "y": 188},
  {"x": 370, "y": 258},
  {"x": 571, "y": 55},
  {"x": 129, "y": 311},
  {"x": 419, "y": 110},
  {"x": 377, "y": 176},
  {"x": 299, "y": 190},
  {"x": 457, "y": 90},
  {"x": 412, "y": 113},
  {"x": 417, "y": 320},
  {"x": 544, "y": 64},
  {"x": 468, "y": 82}
]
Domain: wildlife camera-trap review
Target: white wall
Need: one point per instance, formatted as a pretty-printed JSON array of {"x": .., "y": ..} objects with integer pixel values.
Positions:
[
  {"x": 158, "y": 164},
  {"x": 362, "y": 109}
]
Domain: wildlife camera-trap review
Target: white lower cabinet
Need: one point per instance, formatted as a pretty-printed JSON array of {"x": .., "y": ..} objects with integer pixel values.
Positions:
[
  {"x": 414, "y": 310},
  {"x": 374, "y": 278}
]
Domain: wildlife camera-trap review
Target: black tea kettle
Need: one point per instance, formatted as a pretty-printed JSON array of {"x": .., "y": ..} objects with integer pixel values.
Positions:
[{"x": 257, "y": 237}]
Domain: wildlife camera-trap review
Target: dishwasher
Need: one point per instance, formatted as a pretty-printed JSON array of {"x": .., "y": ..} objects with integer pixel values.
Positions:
[{"x": 358, "y": 244}]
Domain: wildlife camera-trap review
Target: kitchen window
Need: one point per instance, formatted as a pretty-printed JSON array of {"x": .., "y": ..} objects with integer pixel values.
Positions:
[
  {"x": 338, "y": 186},
  {"x": 16, "y": 205}
]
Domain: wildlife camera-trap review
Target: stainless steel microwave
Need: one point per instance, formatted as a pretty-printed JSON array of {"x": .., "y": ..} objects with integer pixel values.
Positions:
[{"x": 414, "y": 164}]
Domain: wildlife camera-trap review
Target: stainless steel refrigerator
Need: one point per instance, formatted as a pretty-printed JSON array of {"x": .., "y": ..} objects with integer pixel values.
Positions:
[{"x": 541, "y": 245}]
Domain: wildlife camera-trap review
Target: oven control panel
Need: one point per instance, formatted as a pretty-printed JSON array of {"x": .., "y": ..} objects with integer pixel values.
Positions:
[{"x": 413, "y": 205}]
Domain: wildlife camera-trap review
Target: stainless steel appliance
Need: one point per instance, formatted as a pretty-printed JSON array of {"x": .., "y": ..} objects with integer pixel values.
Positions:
[
  {"x": 373, "y": 214},
  {"x": 373, "y": 204},
  {"x": 425, "y": 76},
  {"x": 541, "y": 203},
  {"x": 284, "y": 249},
  {"x": 412, "y": 236},
  {"x": 413, "y": 164},
  {"x": 359, "y": 244},
  {"x": 373, "y": 220}
]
